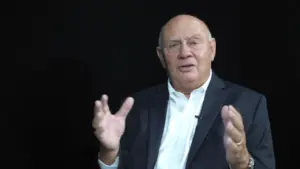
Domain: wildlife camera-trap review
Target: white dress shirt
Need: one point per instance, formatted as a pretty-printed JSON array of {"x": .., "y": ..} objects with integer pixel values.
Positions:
[{"x": 179, "y": 128}]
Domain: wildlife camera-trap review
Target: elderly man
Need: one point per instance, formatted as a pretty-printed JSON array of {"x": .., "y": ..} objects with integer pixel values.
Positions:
[{"x": 194, "y": 121}]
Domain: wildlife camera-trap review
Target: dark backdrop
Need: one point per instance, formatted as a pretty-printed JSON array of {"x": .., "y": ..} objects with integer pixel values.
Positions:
[{"x": 70, "y": 52}]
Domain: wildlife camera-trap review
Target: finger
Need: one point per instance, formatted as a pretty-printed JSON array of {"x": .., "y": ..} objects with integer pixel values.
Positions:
[
  {"x": 97, "y": 107},
  {"x": 224, "y": 114},
  {"x": 233, "y": 133},
  {"x": 233, "y": 154},
  {"x": 97, "y": 119},
  {"x": 230, "y": 146},
  {"x": 232, "y": 108},
  {"x": 95, "y": 123},
  {"x": 126, "y": 107},
  {"x": 105, "y": 106},
  {"x": 98, "y": 134},
  {"x": 236, "y": 118},
  {"x": 98, "y": 114}
]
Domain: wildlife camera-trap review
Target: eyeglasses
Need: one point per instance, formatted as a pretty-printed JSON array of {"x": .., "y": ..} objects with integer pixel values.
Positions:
[{"x": 174, "y": 46}]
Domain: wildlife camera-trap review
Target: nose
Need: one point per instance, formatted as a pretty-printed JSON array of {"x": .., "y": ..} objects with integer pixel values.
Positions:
[{"x": 184, "y": 52}]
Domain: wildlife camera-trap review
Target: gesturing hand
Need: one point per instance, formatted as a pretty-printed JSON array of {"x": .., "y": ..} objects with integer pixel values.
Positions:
[
  {"x": 109, "y": 128},
  {"x": 234, "y": 138}
]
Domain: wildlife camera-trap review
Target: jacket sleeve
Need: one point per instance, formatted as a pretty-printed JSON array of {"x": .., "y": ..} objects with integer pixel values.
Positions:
[{"x": 259, "y": 138}]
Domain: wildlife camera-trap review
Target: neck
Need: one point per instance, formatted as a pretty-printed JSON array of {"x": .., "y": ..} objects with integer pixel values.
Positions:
[{"x": 187, "y": 87}]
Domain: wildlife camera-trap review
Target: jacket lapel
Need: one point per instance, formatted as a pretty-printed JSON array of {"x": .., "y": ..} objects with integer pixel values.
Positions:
[
  {"x": 213, "y": 102},
  {"x": 157, "y": 116}
]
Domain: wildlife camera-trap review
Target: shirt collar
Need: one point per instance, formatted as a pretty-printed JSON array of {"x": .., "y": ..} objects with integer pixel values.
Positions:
[{"x": 203, "y": 87}]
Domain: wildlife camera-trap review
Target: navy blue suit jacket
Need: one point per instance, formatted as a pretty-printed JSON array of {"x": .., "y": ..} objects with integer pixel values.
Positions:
[{"x": 145, "y": 124}]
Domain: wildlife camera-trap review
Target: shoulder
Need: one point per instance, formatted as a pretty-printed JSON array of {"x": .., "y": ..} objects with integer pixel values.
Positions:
[
  {"x": 250, "y": 103},
  {"x": 137, "y": 117},
  {"x": 144, "y": 98},
  {"x": 147, "y": 94},
  {"x": 244, "y": 93}
]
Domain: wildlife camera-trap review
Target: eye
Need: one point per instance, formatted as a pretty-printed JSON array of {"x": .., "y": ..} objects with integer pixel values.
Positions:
[
  {"x": 193, "y": 43},
  {"x": 172, "y": 45}
]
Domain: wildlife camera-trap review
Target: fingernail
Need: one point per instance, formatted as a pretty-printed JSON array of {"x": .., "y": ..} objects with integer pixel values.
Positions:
[
  {"x": 97, "y": 103},
  {"x": 104, "y": 96},
  {"x": 226, "y": 107}
]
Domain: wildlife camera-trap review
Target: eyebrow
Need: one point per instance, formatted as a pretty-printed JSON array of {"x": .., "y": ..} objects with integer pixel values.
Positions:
[{"x": 197, "y": 36}]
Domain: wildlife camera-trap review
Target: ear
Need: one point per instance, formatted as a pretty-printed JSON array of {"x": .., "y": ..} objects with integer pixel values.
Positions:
[
  {"x": 160, "y": 55},
  {"x": 212, "y": 49}
]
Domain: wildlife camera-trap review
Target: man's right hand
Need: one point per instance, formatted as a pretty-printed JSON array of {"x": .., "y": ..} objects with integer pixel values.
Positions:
[{"x": 109, "y": 128}]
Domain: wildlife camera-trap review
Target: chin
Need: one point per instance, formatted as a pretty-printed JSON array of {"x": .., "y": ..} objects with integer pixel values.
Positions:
[{"x": 190, "y": 77}]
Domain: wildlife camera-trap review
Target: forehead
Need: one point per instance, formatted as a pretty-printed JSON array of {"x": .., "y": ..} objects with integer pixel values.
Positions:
[{"x": 181, "y": 29}]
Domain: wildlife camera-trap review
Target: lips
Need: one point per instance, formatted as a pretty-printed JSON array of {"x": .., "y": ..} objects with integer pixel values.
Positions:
[{"x": 186, "y": 67}]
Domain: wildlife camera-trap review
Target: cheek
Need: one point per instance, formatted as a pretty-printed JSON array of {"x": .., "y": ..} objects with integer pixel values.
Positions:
[
  {"x": 203, "y": 60},
  {"x": 203, "y": 55},
  {"x": 170, "y": 60}
]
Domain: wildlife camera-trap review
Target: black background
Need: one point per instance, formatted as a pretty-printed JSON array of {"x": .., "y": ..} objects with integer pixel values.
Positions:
[{"x": 68, "y": 53}]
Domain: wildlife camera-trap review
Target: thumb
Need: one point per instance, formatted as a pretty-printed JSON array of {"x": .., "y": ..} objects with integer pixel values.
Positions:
[{"x": 126, "y": 107}]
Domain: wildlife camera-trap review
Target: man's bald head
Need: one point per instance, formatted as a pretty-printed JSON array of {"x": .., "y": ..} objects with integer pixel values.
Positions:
[
  {"x": 186, "y": 51},
  {"x": 182, "y": 19}
]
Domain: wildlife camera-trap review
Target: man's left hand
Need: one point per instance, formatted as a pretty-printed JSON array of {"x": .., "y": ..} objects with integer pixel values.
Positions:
[{"x": 237, "y": 154}]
